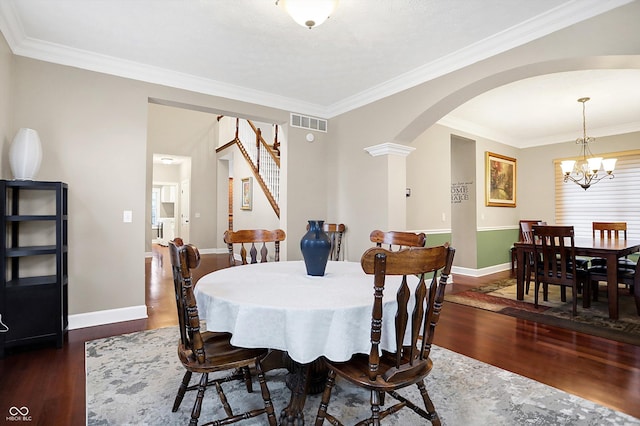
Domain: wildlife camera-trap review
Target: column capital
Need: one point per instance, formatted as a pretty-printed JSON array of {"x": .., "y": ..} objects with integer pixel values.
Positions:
[{"x": 389, "y": 148}]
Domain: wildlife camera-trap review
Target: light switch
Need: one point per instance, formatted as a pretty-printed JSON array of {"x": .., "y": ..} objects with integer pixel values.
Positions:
[{"x": 127, "y": 216}]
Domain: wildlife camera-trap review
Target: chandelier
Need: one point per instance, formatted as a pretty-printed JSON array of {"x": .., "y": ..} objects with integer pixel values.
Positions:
[
  {"x": 309, "y": 13},
  {"x": 584, "y": 172}
]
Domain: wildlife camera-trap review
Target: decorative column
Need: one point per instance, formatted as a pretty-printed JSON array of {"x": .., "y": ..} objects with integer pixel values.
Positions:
[{"x": 396, "y": 175}]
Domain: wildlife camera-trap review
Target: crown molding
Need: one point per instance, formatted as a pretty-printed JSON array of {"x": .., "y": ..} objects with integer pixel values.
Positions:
[
  {"x": 476, "y": 130},
  {"x": 62, "y": 55},
  {"x": 553, "y": 20},
  {"x": 542, "y": 25}
]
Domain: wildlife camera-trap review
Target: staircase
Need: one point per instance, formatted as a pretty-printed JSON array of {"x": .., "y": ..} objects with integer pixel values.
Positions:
[{"x": 263, "y": 158}]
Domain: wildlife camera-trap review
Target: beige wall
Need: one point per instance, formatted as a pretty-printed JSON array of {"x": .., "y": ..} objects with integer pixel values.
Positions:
[
  {"x": 403, "y": 117},
  {"x": 307, "y": 195},
  {"x": 429, "y": 169},
  {"x": 536, "y": 171},
  {"x": 6, "y": 131},
  {"x": 93, "y": 133},
  {"x": 94, "y": 130}
]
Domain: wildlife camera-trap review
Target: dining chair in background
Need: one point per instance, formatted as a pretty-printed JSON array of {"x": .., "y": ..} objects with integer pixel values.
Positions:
[
  {"x": 608, "y": 231},
  {"x": 418, "y": 311},
  {"x": 626, "y": 266},
  {"x": 335, "y": 231},
  {"x": 514, "y": 257},
  {"x": 555, "y": 264},
  {"x": 629, "y": 277},
  {"x": 209, "y": 352},
  {"x": 526, "y": 235},
  {"x": 251, "y": 237},
  {"x": 398, "y": 239}
]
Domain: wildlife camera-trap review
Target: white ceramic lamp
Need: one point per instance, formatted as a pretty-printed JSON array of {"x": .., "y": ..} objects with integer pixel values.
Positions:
[{"x": 25, "y": 154}]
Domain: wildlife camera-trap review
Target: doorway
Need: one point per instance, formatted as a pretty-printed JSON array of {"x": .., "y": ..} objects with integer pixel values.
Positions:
[{"x": 170, "y": 198}]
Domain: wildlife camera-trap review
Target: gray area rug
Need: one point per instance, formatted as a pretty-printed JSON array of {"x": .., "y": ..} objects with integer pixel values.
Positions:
[{"x": 132, "y": 379}]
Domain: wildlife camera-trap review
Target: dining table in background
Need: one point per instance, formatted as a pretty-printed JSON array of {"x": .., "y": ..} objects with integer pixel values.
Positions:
[
  {"x": 276, "y": 305},
  {"x": 610, "y": 249}
]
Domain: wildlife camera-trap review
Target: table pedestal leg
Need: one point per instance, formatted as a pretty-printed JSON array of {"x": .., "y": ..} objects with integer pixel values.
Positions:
[
  {"x": 302, "y": 380},
  {"x": 297, "y": 381}
]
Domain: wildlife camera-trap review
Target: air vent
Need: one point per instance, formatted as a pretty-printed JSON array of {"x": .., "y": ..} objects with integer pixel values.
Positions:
[{"x": 306, "y": 122}]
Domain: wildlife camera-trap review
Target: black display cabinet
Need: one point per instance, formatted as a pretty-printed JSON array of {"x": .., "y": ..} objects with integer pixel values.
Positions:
[{"x": 34, "y": 267}]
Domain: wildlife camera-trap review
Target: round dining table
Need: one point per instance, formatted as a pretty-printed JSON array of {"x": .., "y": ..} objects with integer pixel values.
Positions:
[{"x": 276, "y": 305}]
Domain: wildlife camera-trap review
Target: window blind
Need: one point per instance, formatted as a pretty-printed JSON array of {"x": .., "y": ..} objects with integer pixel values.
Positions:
[{"x": 610, "y": 200}]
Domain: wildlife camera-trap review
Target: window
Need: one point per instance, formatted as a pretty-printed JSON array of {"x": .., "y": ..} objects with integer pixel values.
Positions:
[{"x": 611, "y": 200}]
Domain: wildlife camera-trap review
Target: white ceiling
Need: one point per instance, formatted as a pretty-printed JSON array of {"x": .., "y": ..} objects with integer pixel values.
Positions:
[
  {"x": 544, "y": 110},
  {"x": 253, "y": 51}
]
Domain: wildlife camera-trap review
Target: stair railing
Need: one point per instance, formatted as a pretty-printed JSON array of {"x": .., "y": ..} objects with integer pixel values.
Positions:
[{"x": 264, "y": 160}]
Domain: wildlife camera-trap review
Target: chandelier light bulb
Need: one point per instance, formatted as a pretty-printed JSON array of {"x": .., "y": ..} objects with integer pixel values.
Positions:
[
  {"x": 609, "y": 165},
  {"x": 567, "y": 166},
  {"x": 594, "y": 164}
]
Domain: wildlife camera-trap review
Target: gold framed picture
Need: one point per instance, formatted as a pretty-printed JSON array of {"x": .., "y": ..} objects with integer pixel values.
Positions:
[
  {"x": 500, "y": 180},
  {"x": 247, "y": 193}
]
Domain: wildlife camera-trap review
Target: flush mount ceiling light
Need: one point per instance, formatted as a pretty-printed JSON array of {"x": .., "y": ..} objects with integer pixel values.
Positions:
[
  {"x": 166, "y": 160},
  {"x": 309, "y": 13},
  {"x": 584, "y": 172}
]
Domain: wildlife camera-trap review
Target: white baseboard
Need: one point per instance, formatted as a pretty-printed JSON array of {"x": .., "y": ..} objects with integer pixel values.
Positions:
[
  {"x": 91, "y": 319},
  {"x": 223, "y": 250},
  {"x": 480, "y": 272}
]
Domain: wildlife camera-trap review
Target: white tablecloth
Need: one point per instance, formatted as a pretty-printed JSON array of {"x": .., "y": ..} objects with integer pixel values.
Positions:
[{"x": 277, "y": 305}]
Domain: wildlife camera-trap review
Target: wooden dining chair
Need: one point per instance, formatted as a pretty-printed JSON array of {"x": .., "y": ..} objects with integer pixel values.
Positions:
[
  {"x": 555, "y": 264},
  {"x": 336, "y": 232},
  {"x": 608, "y": 231},
  {"x": 629, "y": 277},
  {"x": 626, "y": 266},
  {"x": 398, "y": 239},
  {"x": 209, "y": 352},
  {"x": 526, "y": 235},
  {"x": 251, "y": 237},
  {"x": 419, "y": 303},
  {"x": 514, "y": 256}
]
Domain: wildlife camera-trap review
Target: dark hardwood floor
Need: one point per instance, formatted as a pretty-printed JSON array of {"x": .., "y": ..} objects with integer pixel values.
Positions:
[{"x": 51, "y": 382}]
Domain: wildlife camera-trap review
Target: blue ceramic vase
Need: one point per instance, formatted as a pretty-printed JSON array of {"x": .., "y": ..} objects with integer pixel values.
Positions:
[{"x": 315, "y": 246}]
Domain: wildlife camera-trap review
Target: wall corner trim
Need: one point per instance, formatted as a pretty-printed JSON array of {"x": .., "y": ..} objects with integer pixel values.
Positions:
[{"x": 389, "y": 148}]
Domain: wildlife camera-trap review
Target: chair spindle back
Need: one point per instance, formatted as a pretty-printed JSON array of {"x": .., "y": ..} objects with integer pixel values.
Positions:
[
  {"x": 418, "y": 307},
  {"x": 608, "y": 230},
  {"x": 252, "y": 237}
]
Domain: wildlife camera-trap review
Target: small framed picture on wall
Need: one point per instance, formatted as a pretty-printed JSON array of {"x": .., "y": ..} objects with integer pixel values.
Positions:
[
  {"x": 500, "y": 180},
  {"x": 247, "y": 193}
]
